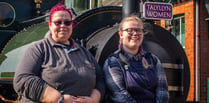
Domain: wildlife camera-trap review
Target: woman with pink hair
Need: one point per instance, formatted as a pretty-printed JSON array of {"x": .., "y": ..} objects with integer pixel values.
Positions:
[{"x": 58, "y": 70}]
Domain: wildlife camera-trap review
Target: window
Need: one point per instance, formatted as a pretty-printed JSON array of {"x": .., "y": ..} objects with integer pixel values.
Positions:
[
  {"x": 7, "y": 14},
  {"x": 177, "y": 28}
]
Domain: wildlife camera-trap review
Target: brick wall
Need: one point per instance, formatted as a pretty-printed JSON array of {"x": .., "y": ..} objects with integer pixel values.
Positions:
[
  {"x": 204, "y": 52},
  {"x": 189, "y": 12}
]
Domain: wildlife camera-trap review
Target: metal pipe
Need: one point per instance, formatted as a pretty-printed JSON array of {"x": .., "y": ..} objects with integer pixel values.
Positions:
[
  {"x": 90, "y": 4},
  {"x": 197, "y": 2}
]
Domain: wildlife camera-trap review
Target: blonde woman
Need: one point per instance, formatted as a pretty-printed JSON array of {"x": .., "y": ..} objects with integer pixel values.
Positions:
[{"x": 131, "y": 74}]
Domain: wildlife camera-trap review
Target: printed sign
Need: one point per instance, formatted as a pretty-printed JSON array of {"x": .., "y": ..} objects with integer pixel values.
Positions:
[{"x": 155, "y": 10}]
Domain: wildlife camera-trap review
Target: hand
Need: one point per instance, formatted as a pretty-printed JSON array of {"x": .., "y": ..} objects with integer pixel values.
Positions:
[
  {"x": 51, "y": 95},
  {"x": 83, "y": 99},
  {"x": 94, "y": 98},
  {"x": 69, "y": 98}
]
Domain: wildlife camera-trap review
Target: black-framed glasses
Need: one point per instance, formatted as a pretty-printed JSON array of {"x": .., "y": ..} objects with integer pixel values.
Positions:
[
  {"x": 66, "y": 23},
  {"x": 132, "y": 30}
]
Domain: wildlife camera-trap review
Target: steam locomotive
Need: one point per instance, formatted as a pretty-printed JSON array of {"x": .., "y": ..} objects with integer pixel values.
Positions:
[{"x": 96, "y": 28}]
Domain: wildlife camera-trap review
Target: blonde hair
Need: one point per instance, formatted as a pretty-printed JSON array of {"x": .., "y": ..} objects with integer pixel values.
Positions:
[{"x": 130, "y": 18}]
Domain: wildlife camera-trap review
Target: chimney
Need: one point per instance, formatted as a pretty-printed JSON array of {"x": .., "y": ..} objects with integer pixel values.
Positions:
[{"x": 131, "y": 7}]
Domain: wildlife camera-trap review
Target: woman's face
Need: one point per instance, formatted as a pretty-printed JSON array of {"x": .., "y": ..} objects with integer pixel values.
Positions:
[
  {"x": 61, "y": 27},
  {"x": 131, "y": 35}
]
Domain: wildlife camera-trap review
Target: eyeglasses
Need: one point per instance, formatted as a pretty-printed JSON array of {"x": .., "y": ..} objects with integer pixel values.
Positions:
[
  {"x": 132, "y": 30},
  {"x": 66, "y": 23}
]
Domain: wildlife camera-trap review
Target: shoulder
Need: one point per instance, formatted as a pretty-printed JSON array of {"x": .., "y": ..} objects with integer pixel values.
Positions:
[
  {"x": 149, "y": 54},
  {"x": 37, "y": 46},
  {"x": 151, "y": 57},
  {"x": 113, "y": 56},
  {"x": 39, "y": 43},
  {"x": 113, "y": 59}
]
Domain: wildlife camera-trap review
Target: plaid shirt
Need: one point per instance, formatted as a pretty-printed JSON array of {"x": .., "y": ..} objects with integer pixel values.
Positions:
[{"x": 114, "y": 70}]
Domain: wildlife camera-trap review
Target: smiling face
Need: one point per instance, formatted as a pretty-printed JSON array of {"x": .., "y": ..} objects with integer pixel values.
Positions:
[
  {"x": 60, "y": 28},
  {"x": 131, "y": 35}
]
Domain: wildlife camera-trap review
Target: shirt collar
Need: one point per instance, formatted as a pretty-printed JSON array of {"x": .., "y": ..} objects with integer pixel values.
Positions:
[
  {"x": 72, "y": 42},
  {"x": 128, "y": 56}
]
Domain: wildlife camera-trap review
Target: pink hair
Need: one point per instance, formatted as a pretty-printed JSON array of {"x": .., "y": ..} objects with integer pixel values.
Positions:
[{"x": 59, "y": 7}]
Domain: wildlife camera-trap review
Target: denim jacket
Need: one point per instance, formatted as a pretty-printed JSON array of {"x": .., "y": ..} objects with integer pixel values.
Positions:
[{"x": 116, "y": 84}]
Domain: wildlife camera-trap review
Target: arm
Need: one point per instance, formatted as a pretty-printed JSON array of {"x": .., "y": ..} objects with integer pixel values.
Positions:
[
  {"x": 100, "y": 84},
  {"x": 99, "y": 90},
  {"x": 115, "y": 82},
  {"x": 94, "y": 98},
  {"x": 162, "y": 93},
  {"x": 50, "y": 95},
  {"x": 97, "y": 93},
  {"x": 27, "y": 80}
]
